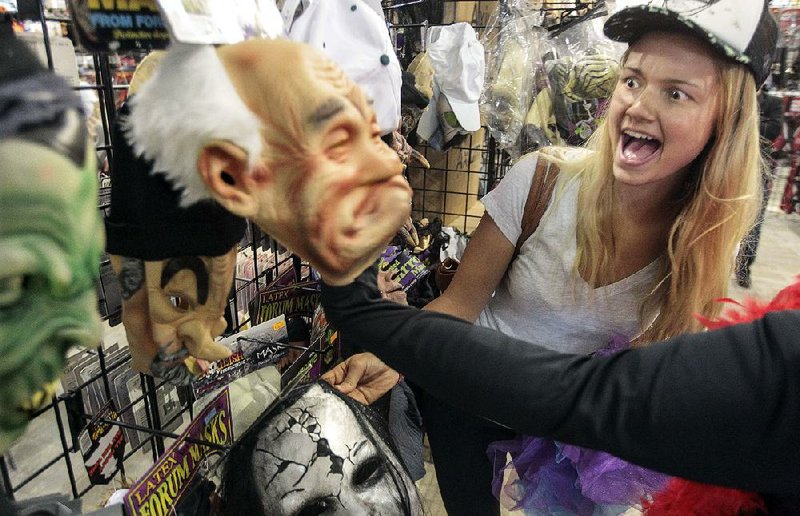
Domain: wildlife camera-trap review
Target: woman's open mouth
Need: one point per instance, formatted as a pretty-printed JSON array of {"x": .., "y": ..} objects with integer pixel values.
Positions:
[{"x": 637, "y": 149}]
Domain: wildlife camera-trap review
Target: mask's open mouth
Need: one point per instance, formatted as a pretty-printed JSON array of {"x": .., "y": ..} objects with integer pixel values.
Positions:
[
  {"x": 638, "y": 148},
  {"x": 39, "y": 399},
  {"x": 35, "y": 381},
  {"x": 358, "y": 223}
]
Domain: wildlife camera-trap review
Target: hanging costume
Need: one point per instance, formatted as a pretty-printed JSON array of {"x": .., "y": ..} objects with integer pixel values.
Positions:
[{"x": 175, "y": 266}]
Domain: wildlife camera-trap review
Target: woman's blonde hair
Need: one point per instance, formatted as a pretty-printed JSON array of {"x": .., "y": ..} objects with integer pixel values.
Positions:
[{"x": 715, "y": 212}]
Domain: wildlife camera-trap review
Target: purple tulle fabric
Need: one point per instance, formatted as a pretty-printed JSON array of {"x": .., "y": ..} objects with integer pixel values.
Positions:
[{"x": 549, "y": 477}]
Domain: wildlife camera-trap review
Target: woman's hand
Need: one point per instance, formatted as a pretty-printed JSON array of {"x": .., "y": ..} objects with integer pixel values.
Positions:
[
  {"x": 363, "y": 377},
  {"x": 390, "y": 288}
]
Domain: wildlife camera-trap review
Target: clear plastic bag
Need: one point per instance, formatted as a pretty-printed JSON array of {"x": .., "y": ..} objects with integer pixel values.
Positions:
[
  {"x": 539, "y": 128},
  {"x": 513, "y": 41},
  {"x": 582, "y": 73}
]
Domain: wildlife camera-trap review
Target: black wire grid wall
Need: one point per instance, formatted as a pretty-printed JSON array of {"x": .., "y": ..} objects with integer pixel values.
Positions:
[
  {"x": 447, "y": 190},
  {"x": 457, "y": 179}
]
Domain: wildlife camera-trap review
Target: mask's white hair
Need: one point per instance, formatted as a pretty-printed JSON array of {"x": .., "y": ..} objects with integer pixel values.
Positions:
[{"x": 189, "y": 102}]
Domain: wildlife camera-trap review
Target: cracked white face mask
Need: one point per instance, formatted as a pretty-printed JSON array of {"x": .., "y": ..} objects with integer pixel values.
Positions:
[{"x": 321, "y": 454}]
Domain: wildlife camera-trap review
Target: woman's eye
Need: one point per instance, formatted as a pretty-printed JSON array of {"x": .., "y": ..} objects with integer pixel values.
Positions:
[
  {"x": 677, "y": 95},
  {"x": 368, "y": 473},
  {"x": 631, "y": 83},
  {"x": 315, "y": 507}
]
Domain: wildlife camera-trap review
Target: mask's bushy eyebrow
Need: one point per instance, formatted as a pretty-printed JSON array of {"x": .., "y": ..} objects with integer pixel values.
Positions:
[
  {"x": 192, "y": 263},
  {"x": 325, "y": 111}
]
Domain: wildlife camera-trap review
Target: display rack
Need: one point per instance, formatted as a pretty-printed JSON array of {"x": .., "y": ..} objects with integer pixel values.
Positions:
[
  {"x": 451, "y": 188},
  {"x": 448, "y": 191}
]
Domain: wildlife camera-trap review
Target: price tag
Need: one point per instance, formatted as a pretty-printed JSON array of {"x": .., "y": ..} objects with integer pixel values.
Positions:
[{"x": 216, "y": 22}]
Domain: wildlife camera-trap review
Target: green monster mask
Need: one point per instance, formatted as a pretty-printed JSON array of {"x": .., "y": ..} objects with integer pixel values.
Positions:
[
  {"x": 51, "y": 235},
  {"x": 51, "y": 238}
]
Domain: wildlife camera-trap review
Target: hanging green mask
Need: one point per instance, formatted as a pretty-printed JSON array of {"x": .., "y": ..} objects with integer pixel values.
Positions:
[{"x": 51, "y": 235}]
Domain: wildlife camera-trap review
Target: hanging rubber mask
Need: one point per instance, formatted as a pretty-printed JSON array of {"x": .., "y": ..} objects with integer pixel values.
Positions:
[
  {"x": 51, "y": 235},
  {"x": 175, "y": 264},
  {"x": 172, "y": 310},
  {"x": 275, "y": 132},
  {"x": 317, "y": 452}
]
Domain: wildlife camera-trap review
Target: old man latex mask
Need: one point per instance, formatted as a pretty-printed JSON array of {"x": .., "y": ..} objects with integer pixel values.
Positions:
[{"x": 275, "y": 132}]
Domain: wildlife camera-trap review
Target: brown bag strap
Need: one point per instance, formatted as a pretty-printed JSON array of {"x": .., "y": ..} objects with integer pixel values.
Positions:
[{"x": 544, "y": 181}]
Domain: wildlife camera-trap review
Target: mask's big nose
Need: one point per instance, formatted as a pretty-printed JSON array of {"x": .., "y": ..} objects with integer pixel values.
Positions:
[{"x": 196, "y": 336}]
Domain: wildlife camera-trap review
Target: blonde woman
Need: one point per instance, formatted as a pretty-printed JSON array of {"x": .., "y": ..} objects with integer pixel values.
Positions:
[{"x": 641, "y": 231}]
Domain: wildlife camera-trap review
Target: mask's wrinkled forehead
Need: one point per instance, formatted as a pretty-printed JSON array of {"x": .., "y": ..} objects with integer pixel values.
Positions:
[
  {"x": 48, "y": 204},
  {"x": 285, "y": 82},
  {"x": 328, "y": 72}
]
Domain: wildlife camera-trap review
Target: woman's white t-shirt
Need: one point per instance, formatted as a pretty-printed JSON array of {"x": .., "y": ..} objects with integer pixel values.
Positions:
[{"x": 540, "y": 299}]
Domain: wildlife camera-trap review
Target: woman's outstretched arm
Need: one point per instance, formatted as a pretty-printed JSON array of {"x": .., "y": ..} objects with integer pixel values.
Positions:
[{"x": 721, "y": 407}]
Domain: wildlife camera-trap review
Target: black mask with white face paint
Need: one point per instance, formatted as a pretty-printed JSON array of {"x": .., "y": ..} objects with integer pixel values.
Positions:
[{"x": 317, "y": 452}]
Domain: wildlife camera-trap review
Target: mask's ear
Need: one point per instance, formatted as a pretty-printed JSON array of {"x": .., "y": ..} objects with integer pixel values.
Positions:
[{"x": 224, "y": 169}]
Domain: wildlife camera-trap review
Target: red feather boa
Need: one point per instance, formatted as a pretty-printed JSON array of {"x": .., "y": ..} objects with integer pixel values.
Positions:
[
  {"x": 680, "y": 496},
  {"x": 751, "y": 309}
]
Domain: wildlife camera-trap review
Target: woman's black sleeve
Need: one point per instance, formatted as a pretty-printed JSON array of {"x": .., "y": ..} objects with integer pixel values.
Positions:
[{"x": 721, "y": 407}]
